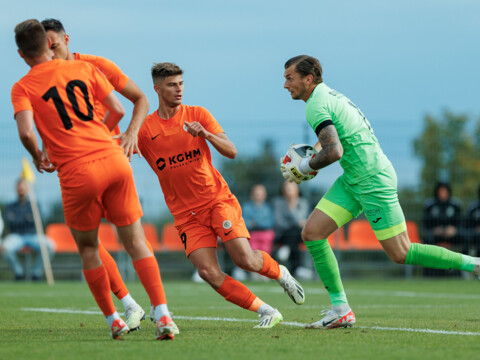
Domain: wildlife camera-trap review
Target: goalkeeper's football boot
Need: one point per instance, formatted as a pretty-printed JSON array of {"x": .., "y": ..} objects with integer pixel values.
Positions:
[
  {"x": 118, "y": 329},
  {"x": 269, "y": 320},
  {"x": 291, "y": 286},
  {"x": 165, "y": 328},
  {"x": 133, "y": 316},
  {"x": 333, "y": 319}
]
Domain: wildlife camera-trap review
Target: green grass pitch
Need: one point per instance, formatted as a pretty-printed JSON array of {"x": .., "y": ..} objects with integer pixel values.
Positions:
[{"x": 396, "y": 319}]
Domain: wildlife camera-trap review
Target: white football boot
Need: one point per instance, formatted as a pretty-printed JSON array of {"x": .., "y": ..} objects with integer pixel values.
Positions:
[
  {"x": 333, "y": 320},
  {"x": 133, "y": 316},
  {"x": 269, "y": 320},
  {"x": 291, "y": 286}
]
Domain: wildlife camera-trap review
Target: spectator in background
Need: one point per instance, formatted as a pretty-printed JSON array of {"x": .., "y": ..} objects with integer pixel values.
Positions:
[
  {"x": 291, "y": 213},
  {"x": 258, "y": 216},
  {"x": 473, "y": 225},
  {"x": 22, "y": 233},
  {"x": 442, "y": 216}
]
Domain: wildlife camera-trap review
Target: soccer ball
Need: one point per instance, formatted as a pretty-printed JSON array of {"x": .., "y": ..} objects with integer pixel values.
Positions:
[{"x": 293, "y": 157}]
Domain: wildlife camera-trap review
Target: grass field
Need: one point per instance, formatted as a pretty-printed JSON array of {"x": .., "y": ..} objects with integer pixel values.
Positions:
[{"x": 396, "y": 319}]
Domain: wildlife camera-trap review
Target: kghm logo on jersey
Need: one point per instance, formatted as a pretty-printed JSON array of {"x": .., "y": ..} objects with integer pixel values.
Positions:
[{"x": 179, "y": 160}]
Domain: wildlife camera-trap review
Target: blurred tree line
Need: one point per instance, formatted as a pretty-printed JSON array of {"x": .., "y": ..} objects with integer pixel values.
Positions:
[
  {"x": 245, "y": 171},
  {"x": 449, "y": 149}
]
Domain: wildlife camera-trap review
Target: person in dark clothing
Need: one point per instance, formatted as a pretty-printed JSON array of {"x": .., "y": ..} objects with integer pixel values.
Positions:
[
  {"x": 442, "y": 220},
  {"x": 472, "y": 225},
  {"x": 22, "y": 234}
]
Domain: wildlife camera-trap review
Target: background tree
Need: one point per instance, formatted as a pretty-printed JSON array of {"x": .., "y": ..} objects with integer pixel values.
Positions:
[
  {"x": 449, "y": 150},
  {"x": 245, "y": 171}
]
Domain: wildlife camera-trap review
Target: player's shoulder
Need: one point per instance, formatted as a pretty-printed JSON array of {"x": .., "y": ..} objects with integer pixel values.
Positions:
[
  {"x": 93, "y": 59},
  {"x": 429, "y": 203},
  {"x": 456, "y": 202},
  {"x": 78, "y": 64},
  {"x": 145, "y": 128},
  {"x": 99, "y": 61},
  {"x": 474, "y": 205},
  {"x": 194, "y": 109}
]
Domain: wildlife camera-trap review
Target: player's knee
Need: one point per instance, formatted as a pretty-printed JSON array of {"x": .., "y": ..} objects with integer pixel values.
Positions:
[
  {"x": 398, "y": 257},
  {"x": 246, "y": 262},
  {"x": 209, "y": 274},
  {"x": 309, "y": 234}
]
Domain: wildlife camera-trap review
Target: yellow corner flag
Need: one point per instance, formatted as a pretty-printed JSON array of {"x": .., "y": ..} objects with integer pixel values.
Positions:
[{"x": 27, "y": 172}]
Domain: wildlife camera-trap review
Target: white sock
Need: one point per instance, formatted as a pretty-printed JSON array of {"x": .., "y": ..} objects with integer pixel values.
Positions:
[
  {"x": 341, "y": 309},
  {"x": 111, "y": 318},
  {"x": 128, "y": 301},
  {"x": 265, "y": 309},
  {"x": 160, "y": 311}
]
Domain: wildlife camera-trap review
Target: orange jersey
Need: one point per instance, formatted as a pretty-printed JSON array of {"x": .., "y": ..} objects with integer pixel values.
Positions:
[
  {"x": 183, "y": 163},
  {"x": 113, "y": 73},
  {"x": 61, "y": 95}
]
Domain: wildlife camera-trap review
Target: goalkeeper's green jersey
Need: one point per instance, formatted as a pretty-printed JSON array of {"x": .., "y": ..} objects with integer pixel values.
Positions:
[{"x": 362, "y": 154}]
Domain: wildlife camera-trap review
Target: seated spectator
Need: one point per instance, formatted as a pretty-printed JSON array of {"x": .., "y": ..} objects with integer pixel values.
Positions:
[
  {"x": 442, "y": 216},
  {"x": 291, "y": 212},
  {"x": 258, "y": 216},
  {"x": 473, "y": 225},
  {"x": 21, "y": 233}
]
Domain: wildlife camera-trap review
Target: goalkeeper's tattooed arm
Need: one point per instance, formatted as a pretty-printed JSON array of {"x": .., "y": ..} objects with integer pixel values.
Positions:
[{"x": 331, "y": 148}]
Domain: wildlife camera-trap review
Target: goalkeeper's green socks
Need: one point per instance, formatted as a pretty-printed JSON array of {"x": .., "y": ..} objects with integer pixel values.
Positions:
[
  {"x": 327, "y": 268},
  {"x": 437, "y": 257}
]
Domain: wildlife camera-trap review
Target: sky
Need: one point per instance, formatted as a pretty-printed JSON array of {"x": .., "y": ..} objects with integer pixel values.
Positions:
[{"x": 397, "y": 61}]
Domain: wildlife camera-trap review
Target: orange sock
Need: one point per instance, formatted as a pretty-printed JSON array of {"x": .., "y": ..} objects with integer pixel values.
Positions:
[
  {"x": 238, "y": 294},
  {"x": 116, "y": 282},
  {"x": 270, "y": 268},
  {"x": 97, "y": 280},
  {"x": 149, "y": 275}
]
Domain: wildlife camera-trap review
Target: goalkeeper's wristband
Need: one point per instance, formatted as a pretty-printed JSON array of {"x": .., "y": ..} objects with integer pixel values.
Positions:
[{"x": 304, "y": 166}]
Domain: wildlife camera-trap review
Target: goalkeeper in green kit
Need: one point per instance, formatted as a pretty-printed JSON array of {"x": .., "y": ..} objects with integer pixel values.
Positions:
[{"x": 368, "y": 184}]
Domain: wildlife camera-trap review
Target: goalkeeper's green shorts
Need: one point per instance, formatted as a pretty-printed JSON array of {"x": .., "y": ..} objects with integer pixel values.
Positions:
[{"x": 376, "y": 196}]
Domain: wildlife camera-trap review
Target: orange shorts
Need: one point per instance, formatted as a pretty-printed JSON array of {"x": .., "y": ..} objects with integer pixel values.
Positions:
[
  {"x": 99, "y": 188},
  {"x": 220, "y": 219}
]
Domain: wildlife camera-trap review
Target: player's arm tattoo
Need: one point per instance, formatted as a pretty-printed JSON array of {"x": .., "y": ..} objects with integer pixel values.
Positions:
[{"x": 331, "y": 151}]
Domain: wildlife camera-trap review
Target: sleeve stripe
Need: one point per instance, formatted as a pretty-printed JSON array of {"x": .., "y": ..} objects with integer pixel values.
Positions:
[{"x": 322, "y": 125}]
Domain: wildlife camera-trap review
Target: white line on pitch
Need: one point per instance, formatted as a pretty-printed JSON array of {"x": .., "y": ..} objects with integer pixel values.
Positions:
[
  {"x": 393, "y": 293},
  {"x": 204, "y": 318}
]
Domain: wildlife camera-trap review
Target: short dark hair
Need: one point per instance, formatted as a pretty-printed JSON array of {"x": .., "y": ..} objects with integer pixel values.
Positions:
[
  {"x": 306, "y": 65},
  {"x": 162, "y": 70},
  {"x": 53, "y": 24},
  {"x": 31, "y": 38},
  {"x": 442, "y": 184}
]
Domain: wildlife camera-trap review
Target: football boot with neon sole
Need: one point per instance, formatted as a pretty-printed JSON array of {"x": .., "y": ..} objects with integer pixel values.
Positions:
[
  {"x": 133, "y": 316},
  {"x": 269, "y": 320}
]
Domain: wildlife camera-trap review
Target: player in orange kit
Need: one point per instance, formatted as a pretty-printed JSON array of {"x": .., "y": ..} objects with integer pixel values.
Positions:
[
  {"x": 95, "y": 177},
  {"x": 59, "y": 41},
  {"x": 174, "y": 142}
]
